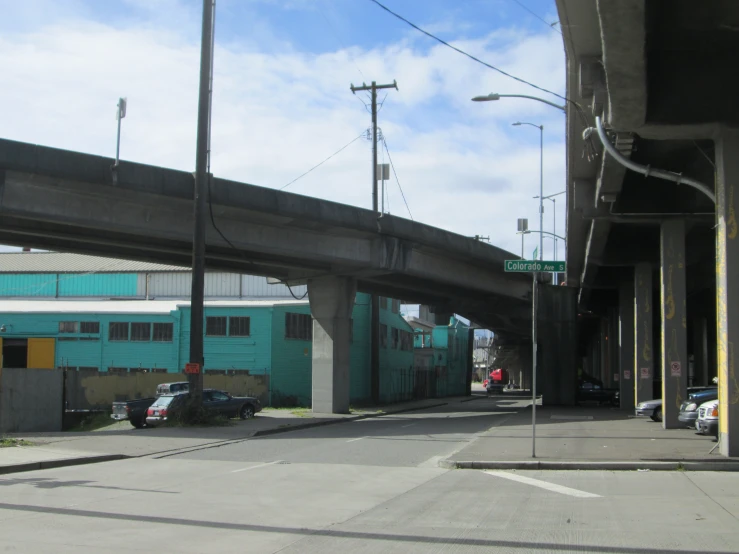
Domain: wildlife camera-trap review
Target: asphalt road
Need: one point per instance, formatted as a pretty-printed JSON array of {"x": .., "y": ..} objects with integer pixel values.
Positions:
[{"x": 363, "y": 486}]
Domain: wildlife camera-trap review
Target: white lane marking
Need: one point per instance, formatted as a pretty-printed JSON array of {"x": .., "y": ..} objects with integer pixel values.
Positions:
[
  {"x": 407, "y": 425},
  {"x": 542, "y": 484},
  {"x": 357, "y": 439},
  {"x": 256, "y": 466}
]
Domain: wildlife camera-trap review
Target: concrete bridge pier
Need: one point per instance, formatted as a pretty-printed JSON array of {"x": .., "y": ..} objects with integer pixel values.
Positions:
[
  {"x": 674, "y": 321},
  {"x": 627, "y": 369},
  {"x": 727, "y": 289},
  {"x": 331, "y": 304},
  {"x": 643, "y": 333}
]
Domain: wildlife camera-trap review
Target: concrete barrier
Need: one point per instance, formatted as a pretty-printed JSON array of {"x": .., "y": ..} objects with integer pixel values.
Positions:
[{"x": 31, "y": 400}]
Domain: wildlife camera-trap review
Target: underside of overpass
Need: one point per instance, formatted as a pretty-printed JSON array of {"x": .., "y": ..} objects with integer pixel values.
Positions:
[{"x": 655, "y": 263}]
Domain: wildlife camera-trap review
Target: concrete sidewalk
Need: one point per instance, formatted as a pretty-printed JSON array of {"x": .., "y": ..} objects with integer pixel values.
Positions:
[
  {"x": 120, "y": 440},
  {"x": 586, "y": 438}
]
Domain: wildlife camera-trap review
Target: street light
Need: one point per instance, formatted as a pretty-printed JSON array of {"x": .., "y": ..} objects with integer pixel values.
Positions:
[
  {"x": 554, "y": 217},
  {"x": 541, "y": 182},
  {"x": 496, "y": 96}
]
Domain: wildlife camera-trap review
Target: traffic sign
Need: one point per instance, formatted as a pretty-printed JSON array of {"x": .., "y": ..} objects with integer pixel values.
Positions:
[
  {"x": 530, "y": 266},
  {"x": 192, "y": 368}
]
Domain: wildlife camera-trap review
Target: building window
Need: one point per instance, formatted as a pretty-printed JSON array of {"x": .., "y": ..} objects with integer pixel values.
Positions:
[
  {"x": 406, "y": 340},
  {"x": 141, "y": 332},
  {"x": 383, "y": 335},
  {"x": 88, "y": 368},
  {"x": 68, "y": 327},
  {"x": 90, "y": 327},
  {"x": 395, "y": 338},
  {"x": 215, "y": 326},
  {"x": 298, "y": 326},
  {"x": 117, "y": 370},
  {"x": 163, "y": 332},
  {"x": 239, "y": 326},
  {"x": 395, "y": 306},
  {"x": 117, "y": 331},
  {"x": 383, "y": 303}
]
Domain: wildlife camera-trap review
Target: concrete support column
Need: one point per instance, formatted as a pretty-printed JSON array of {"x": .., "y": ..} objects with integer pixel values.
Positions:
[
  {"x": 605, "y": 370},
  {"x": 643, "y": 334},
  {"x": 727, "y": 289},
  {"x": 331, "y": 304},
  {"x": 700, "y": 352},
  {"x": 674, "y": 321},
  {"x": 627, "y": 369}
]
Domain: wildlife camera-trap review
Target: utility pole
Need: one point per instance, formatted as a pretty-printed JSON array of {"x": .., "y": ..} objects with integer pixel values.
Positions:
[
  {"x": 375, "y": 301},
  {"x": 195, "y": 368}
]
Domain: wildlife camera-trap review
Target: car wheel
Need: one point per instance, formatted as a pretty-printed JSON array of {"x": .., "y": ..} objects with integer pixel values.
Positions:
[
  {"x": 247, "y": 412},
  {"x": 139, "y": 423},
  {"x": 657, "y": 415}
]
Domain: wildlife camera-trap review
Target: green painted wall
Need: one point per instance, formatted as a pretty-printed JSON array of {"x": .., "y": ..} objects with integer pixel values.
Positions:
[
  {"x": 291, "y": 379},
  {"x": 396, "y": 365}
]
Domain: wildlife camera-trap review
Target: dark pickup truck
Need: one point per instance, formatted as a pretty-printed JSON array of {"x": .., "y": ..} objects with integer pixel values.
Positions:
[{"x": 132, "y": 410}]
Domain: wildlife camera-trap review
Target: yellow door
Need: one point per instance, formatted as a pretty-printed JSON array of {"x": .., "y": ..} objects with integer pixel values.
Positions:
[{"x": 40, "y": 353}]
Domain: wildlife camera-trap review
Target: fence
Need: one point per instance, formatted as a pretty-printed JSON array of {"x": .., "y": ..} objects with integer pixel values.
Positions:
[
  {"x": 90, "y": 389},
  {"x": 30, "y": 400}
]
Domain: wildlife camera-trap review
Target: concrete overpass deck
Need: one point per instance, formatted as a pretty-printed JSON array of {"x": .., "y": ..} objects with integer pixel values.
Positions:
[{"x": 70, "y": 201}]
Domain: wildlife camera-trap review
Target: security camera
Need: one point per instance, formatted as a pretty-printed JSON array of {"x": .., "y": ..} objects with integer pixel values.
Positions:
[{"x": 2, "y": 328}]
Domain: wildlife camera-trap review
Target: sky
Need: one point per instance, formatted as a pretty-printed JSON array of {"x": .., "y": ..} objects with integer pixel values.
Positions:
[{"x": 282, "y": 101}]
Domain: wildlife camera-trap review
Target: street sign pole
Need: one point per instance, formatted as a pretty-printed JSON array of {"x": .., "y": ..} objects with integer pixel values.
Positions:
[{"x": 534, "y": 308}]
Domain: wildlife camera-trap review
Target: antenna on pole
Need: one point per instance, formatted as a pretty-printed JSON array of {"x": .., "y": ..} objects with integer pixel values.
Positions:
[{"x": 119, "y": 114}]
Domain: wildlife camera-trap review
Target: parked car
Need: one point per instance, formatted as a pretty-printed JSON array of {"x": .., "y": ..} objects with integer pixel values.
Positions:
[
  {"x": 689, "y": 409},
  {"x": 173, "y": 388},
  {"x": 653, "y": 408},
  {"x": 163, "y": 408},
  {"x": 132, "y": 410},
  {"x": 217, "y": 401},
  {"x": 707, "y": 422},
  {"x": 231, "y": 406},
  {"x": 592, "y": 390}
]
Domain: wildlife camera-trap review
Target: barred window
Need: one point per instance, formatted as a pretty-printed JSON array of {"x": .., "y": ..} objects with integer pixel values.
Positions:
[
  {"x": 396, "y": 338},
  {"x": 215, "y": 326},
  {"x": 117, "y": 330},
  {"x": 91, "y": 327},
  {"x": 163, "y": 332},
  {"x": 298, "y": 326},
  {"x": 141, "y": 331},
  {"x": 239, "y": 326},
  {"x": 68, "y": 327}
]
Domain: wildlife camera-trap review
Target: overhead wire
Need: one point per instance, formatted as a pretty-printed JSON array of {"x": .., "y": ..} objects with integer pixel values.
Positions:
[
  {"x": 537, "y": 16},
  {"x": 590, "y": 146},
  {"x": 363, "y": 133},
  {"x": 392, "y": 166}
]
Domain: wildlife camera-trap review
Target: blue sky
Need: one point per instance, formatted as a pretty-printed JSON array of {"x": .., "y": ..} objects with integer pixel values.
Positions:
[{"x": 282, "y": 101}]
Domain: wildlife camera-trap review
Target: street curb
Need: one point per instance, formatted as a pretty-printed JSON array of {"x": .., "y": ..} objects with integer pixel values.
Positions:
[
  {"x": 595, "y": 466},
  {"x": 474, "y": 397},
  {"x": 308, "y": 425},
  {"x": 53, "y": 464}
]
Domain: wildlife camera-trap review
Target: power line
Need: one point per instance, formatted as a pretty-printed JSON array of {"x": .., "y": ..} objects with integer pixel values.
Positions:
[
  {"x": 324, "y": 161},
  {"x": 478, "y": 60},
  {"x": 537, "y": 16},
  {"x": 390, "y": 159}
]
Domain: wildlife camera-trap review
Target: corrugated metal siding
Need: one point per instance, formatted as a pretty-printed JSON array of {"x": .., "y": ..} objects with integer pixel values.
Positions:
[
  {"x": 28, "y": 284},
  {"x": 253, "y": 286},
  {"x": 179, "y": 285},
  {"x": 98, "y": 284},
  {"x": 292, "y": 361},
  {"x": 162, "y": 285},
  {"x": 60, "y": 262}
]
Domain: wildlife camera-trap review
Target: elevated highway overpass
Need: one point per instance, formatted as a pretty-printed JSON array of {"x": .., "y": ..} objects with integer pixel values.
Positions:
[
  {"x": 655, "y": 263},
  {"x": 74, "y": 202}
]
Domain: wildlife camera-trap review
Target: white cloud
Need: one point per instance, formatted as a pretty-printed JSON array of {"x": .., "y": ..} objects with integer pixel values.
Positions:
[{"x": 461, "y": 165}]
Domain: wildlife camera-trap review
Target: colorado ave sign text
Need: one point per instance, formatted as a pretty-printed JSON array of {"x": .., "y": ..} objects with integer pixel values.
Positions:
[{"x": 530, "y": 266}]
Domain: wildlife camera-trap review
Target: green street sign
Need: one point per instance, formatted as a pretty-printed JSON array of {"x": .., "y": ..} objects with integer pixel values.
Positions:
[{"x": 531, "y": 266}]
